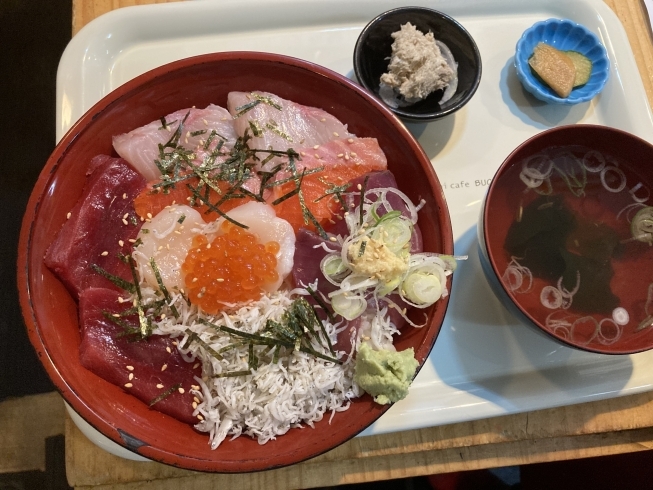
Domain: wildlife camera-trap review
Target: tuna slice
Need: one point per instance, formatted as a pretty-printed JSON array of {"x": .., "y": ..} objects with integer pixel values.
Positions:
[
  {"x": 102, "y": 219},
  {"x": 114, "y": 357},
  {"x": 282, "y": 123},
  {"x": 140, "y": 147}
]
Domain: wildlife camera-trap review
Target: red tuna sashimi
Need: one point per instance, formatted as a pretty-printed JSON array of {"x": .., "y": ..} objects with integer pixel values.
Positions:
[
  {"x": 341, "y": 161},
  {"x": 282, "y": 123},
  {"x": 99, "y": 228},
  {"x": 140, "y": 147},
  {"x": 154, "y": 364}
]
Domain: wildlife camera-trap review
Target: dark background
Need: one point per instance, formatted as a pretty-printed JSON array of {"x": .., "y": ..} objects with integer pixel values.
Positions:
[{"x": 33, "y": 35}]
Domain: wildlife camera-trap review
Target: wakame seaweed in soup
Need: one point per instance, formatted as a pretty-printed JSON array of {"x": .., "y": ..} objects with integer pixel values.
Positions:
[{"x": 579, "y": 251}]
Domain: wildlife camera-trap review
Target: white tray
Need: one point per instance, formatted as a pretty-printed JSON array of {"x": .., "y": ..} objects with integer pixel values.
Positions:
[{"x": 485, "y": 362}]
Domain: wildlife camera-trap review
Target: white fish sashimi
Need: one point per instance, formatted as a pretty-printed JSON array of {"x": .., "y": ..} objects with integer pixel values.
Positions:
[
  {"x": 261, "y": 220},
  {"x": 282, "y": 123},
  {"x": 167, "y": 240},
  {"x": 140, "y": 147}
]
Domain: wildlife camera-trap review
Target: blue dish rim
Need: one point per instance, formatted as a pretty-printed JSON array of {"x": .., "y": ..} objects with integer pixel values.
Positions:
[{"x": 544, "y": 93}]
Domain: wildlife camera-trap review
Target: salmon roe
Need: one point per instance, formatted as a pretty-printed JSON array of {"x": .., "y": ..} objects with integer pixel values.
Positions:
[{"x": 235, "y": 267}]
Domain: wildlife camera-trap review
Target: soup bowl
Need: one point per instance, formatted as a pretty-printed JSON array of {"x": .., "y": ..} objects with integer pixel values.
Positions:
[
  {"x": 566, "y": 235},
  {"x": 51, "y": 313}
]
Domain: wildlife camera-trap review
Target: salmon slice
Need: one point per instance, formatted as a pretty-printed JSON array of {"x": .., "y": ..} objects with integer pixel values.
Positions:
[
  {"x": 340, "y": 161},
  {"x": 151, "y": 201}
]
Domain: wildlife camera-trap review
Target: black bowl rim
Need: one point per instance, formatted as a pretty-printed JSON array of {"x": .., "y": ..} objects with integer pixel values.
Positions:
[{"x": 404, "y": 114}]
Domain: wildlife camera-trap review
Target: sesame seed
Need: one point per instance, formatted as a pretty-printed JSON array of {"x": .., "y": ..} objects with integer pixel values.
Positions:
[
  {"x": 121, "y": 243},
  {"x": 125, "y": 216},
  {"x": 195, "y": 399},
  {"x": 323, "y": 119},
  {"x": 132, "y": 240},
  {"x": 130, "y": 368},
  {"x": 340, "y": 155},
  {"x": 164, "y": 367},
  {"x": 196, "y": 365},
  {"x": 346, "y": 213},
  {"x": 194, "y": 405},
  {"x": 353, "y": 153},
  {"x": 333, "y": 239},
  {"x": 131, "y": 376},
  {"x": 346, "y": 156},
  {"x": 200, "y": 417},
  {"x": 335, "y": 134},
  {"x": 316, "y": 147},
  {"x": 197, "y": 388},
  {"x": 317, "y": 156},
  {"x": 104, "y": 254},
  {"x": 159, "y": 386},
  {"x": 177, "y": 232},
  {"x": 116, "y": 315},
  {"x": 359, "y": 187},
  {"x": 128, "y": 385},
  {"x": 205, "y": 123},
  {"x": 174, "y": 342},
  {"x": 124, "y": 195},
  {"x": 357, "y": 163},
  {"x": 168, "y": 349},
  {"x": 220, "y": 279},
  {"x": 168, "y": 246},
  {"x": 120, "y": 299},
  {"x": 124, "y": 221},
  {"x": 350, "y": 140},
  {"x": 181, "y": 390},
  {"x": 163, "y": 315},
  {"x": 69, "y": 215},
  {"x": 142, "y": 219},
  {"x": 149, "y": 215},
  {"x": 160, "y": 247},
  {"x": 302, "y": 153},
  {"x": 208, "y": 245},
  {"x": 195, "y": 279}
]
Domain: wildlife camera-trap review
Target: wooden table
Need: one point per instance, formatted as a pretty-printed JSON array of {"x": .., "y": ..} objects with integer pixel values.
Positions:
[{"x": 600, "y": 428}]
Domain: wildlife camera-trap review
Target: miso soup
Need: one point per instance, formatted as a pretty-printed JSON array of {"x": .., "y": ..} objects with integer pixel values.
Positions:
[{"x": 578, "y": 249}]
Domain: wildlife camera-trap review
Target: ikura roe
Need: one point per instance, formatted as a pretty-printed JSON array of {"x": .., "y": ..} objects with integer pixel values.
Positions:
[{"x": 235, "y": 267}]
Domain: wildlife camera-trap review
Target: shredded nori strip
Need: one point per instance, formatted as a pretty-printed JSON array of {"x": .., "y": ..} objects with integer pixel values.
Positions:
[
  {"x": 363, "y": 189},
  {"x": 118, "y": 281},
  {"x": 193, "y": 337},
  {"x": 165, "y": 394},
  {"x": 162, "y": 288}
]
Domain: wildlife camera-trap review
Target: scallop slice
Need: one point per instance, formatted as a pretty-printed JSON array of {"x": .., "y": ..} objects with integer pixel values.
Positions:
[
  {"x": 262, "y": 221},
  {"x": 167, "y": 238}
]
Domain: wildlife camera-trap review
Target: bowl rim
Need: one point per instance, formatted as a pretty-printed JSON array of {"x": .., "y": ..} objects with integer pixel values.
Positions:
[
  {"x": 489, "y": 255},
  {"x": 25, "y": 284},
  {"x": 523, "y": 71},
  {"x": 403, "y": 114}
]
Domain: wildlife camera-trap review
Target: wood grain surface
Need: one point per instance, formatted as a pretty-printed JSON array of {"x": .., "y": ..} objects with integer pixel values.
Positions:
[{"x": 617, "y": 425}]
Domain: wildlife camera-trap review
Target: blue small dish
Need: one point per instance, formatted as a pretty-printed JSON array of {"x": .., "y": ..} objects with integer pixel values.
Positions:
[{"x": 564, "y": 35}]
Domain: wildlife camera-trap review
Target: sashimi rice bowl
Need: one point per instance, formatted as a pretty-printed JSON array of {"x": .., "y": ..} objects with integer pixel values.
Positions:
[{"x": 235, "y": 262}]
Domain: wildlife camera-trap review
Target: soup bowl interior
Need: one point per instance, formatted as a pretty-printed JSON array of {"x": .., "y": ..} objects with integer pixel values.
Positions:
[
  {"x": 51, "y": 313},
  {"x": 599, "y": 179}
]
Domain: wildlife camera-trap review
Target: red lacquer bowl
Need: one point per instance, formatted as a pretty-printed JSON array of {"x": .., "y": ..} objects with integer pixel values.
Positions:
[
  {"x": 576, "y": 224},
  {"x": 51, "y": 314}
]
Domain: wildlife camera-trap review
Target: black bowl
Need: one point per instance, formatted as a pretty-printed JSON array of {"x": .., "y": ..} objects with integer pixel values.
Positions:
[{"x": 374, "y": 47}]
